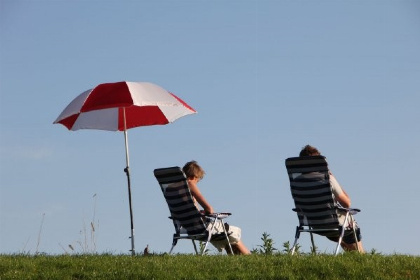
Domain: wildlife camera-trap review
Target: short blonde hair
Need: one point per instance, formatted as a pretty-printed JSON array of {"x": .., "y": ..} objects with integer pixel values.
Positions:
[{"x": 193, "y": 169}]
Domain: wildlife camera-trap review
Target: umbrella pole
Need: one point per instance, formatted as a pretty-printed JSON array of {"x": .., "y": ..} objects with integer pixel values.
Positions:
[{"x": 127, "y": 171}]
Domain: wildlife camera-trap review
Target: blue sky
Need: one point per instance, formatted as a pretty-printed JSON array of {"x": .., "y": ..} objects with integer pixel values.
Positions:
[{"x": 266, "y": 77}]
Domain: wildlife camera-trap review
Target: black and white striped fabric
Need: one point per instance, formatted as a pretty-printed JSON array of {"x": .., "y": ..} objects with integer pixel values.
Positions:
[
  {"x": 311, "y": 191},
  {"x": 180, "y": 202}
]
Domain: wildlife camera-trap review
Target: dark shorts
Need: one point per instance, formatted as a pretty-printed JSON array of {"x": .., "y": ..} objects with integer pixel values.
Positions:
[{"x": 348, "y": 237}]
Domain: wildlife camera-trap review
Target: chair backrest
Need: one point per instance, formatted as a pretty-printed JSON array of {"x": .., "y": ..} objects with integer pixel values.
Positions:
[
  {"x": 175, "y": 189},
  {"x": 311, "y": 190}
]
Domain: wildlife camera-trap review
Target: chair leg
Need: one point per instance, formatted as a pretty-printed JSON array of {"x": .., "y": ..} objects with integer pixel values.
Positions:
[
  {"x": 174, "y": 241},
  {"x": 342, "y": 233},
  {"x": 297, "y": 235},
  {"x": 195, "y": 247},
  {"x": 170, "y": 251},
  {"x": 207, "y": 243},
  {"x": 209, "y": 237},
  {"x": 205, "y": 248},
  {"x": 313, "y": 244},
  {"x": 355, "y": 235},
  {"x": 337, "y": 249},
  {"x": 227, "y": 237}
]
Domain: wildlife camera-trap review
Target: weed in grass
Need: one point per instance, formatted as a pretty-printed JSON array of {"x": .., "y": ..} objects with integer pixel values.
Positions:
[
  {"x": 267, "y": 247},
  {"x": 39, "y": 234},
  {"x": 288, "y": 249},
  {"x": 87, "y": 242},
  {"x": 201, "y": 245},
  {"x": 375, "y": 252}
]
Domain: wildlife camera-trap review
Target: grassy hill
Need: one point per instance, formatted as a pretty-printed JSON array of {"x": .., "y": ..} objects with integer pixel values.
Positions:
[{"x": 257, "y": 266}]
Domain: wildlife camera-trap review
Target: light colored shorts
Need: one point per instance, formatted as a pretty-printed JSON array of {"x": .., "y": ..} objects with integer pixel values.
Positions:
[{"x": 233, "y": 232}]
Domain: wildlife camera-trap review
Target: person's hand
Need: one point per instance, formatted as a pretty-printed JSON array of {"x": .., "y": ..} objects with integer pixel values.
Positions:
[{"x": 209, "y": 210}]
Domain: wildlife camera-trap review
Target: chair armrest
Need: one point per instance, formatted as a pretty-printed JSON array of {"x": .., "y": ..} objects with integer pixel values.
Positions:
[
  {"x": 352, "y": 211},
  {"x": 219, "y": 215}
]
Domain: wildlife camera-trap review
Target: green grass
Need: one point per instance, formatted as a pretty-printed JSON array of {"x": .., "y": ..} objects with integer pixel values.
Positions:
[{"x": 280, "y": 266}]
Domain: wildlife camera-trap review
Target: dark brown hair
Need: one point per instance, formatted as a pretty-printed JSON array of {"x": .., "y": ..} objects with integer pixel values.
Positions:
[{"x": 309, "y": 150}]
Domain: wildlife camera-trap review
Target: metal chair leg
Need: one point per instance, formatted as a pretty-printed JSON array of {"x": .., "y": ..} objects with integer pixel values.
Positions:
[
  {"x": 207, "y": 243},
  {"x": 313, "y": 244},
  {"x": 227, "y": 237},
  {"x": 340, "y": 239},
  {"x": 297, "y": 234},
  {"x": 195, "y": 247},
  {"x": 355, "y": 235},
  {"x": 174, "y": 241},
  {"x": 170, "y": 251},
  {"x": 209, "y": 236},
  {"x": 342, "y": 233}
]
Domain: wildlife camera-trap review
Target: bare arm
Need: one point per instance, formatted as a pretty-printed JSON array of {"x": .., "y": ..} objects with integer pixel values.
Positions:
[
  {"x": 195, "y": 191},
  {"x": 344, "y": 199},
  {"x": 340, "y": 194}
]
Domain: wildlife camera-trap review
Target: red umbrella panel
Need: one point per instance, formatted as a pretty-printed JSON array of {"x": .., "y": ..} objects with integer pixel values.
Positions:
[{"x": 120, "y": 106}]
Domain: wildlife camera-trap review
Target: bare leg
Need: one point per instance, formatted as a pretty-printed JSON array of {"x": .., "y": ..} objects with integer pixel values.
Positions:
[
  {"x": 353, "y": 247},
  {"x": 240, "y": 249}
]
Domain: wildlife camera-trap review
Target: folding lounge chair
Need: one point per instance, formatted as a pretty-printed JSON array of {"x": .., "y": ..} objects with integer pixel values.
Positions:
[
  {"x": 315, "y": 206},
  {"x": 187, "y": 219}
]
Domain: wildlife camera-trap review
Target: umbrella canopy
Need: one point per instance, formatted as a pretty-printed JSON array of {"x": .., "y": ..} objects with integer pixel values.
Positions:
[
  {"x": 104, "y": 106},
  {"x": 121, "y": 106}
]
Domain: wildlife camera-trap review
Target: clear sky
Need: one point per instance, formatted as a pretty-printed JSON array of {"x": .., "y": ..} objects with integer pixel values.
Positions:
[{"x": 266, "y": 77}]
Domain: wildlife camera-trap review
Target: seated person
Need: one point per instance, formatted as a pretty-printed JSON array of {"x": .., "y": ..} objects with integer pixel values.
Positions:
[
  {"x": 348, "y": 243},
  {"x": 194, "y": 174}
]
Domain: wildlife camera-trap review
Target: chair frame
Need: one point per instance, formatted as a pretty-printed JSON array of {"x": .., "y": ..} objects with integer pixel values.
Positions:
[
  {"x": 172, "y": 175},
  {"x": 318, "y": 164},
  {"x": 180, "y": 233}
]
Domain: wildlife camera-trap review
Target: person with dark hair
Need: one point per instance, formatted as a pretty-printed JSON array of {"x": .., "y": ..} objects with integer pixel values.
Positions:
[
  {"x": 341, "y": 197},
  {"x": 194, "y": 174},
  {"x": 308, "y": 150}
]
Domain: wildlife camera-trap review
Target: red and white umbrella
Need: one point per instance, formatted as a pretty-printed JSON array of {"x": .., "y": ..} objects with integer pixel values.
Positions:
[{"x": 121, "y": 106}]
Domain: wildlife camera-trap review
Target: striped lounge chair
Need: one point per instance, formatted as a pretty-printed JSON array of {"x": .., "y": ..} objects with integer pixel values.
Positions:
[
  {"x": 189, "y": 222},
  {"x": 314, "y": 203}
]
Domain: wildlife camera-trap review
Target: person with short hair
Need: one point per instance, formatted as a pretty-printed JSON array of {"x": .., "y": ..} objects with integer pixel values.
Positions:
[
  {"x": 341, "y": 197},
  {"x": 194, "y": 174}
]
